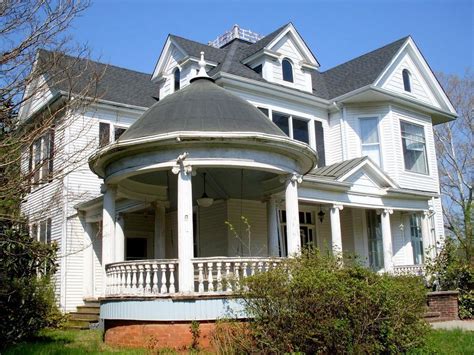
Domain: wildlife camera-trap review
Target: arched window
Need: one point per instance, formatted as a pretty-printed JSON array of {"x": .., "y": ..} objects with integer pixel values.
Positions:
[
  {"x": 406, "y": 80},
  {"x": 177, "y": 79},
  {"x": 287, "y": 69}
]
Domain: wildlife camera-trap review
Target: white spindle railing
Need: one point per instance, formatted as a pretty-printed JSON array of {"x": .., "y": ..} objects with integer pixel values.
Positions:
[
  {"x": 222, "y": 274},
  {"x": 409, "y": 270},
  {"x": 141, "y": 278}
]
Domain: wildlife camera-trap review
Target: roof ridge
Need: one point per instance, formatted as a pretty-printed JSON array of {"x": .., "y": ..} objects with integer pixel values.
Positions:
[
  {"x": 367, "y": 53},
  {"x": 191, "y": 40},
  {"x": 94, "y": 61}
]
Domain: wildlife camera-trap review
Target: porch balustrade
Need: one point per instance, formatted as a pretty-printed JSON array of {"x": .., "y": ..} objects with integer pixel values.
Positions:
[
  {"x": 409, "y": 270},
  {"x": 159, "y": 277},
  {"x": 221, "y": 274},
  {"x": 142, "y": 278}
]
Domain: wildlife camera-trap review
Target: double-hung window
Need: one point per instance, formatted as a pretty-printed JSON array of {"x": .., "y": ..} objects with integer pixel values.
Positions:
[
  {"x": 42, "y": 231},
  {"x": 369, "y": 137},
  {"x": 41, "y": 158},
  {"x": 414, "y": 147}
]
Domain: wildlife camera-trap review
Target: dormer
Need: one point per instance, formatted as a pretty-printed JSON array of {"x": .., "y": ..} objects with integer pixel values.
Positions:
[
  {"x": 283, "y": 58},
  {"x": 178, "y": 63}
]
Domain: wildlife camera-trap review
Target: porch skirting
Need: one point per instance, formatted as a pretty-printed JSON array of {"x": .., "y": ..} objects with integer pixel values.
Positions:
[{"x": 177, "y": 308}]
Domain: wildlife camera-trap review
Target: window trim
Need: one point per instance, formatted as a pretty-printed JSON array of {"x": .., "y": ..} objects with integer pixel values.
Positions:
[
  {"x": 406, "y": 77},
  {"x": 378, "y": 118},
  {"x": 427, "y": 173},
  {"x": 178, "y": 82},
  {"x": 290, "y": 62}
]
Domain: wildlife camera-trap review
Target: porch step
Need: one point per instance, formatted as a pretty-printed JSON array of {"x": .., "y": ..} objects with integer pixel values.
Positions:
[
  {"x": 88, "y": 309},
  {"x": 85, "y": 315},
  {"x": 431, "y": 315},
  {"x": 92, "y": 317}
]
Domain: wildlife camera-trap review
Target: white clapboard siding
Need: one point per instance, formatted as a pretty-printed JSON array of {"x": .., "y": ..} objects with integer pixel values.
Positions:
[
  {"x": 324, "y": 230},
  {"x": 347, "y": 231},
  {"x": 212, "y": 230},
  {"x": 287, "y": 49},
  {"x": 333, "y": 139},
  {"x": 360, "y": 235},
  {"x": 256, "y": 213},
  {"x": 419, "y": 88}
]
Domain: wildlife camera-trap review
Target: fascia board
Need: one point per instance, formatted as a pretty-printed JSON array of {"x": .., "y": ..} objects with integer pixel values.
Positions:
[{"x": 272, "y": 89}]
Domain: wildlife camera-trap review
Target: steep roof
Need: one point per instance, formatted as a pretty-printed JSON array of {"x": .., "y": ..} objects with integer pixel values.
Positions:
[
  {"x": 135, "y": 88},
  {"x": 98, "y": 80},
  {"x": 360, "y": 71}
]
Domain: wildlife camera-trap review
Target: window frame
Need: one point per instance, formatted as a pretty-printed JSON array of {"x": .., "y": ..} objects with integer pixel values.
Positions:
[
  {"x": 406, "y": 77},
  {"x": 379, "y": 137},
  {"x": 417, "y": 237},
  {"x": 41, "y": 158},
  {"x": 427, "y": 164},
  {"x": 311, "y": 126},
  {"x": 291, "y": 65},
  {"x": 176, "y": 81}
]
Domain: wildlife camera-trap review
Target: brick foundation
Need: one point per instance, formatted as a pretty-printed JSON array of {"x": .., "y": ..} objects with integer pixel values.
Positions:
[
  {"x": 442, "y": 306},
  {"x": 156, "y": 335}
]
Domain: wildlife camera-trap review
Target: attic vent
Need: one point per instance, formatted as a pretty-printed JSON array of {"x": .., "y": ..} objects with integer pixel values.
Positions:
[{"x": 235, "y": 32}]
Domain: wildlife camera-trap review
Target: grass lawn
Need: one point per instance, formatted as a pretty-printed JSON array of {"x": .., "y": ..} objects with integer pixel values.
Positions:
[
  {"x": 90, "y": 341},
  {"x": 71, "y": 342},
  {"x": 448, "y": 342}
]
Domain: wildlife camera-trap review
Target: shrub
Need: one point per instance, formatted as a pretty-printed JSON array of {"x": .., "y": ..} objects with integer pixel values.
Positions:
[
  {"x": 313, "y": 304},
  {"x": 26, "y": 294},
  {"x": 450, "y": 270}
]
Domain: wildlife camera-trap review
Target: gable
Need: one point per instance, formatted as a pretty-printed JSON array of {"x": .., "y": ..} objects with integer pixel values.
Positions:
[
  {"x": 424, "y": 85},
  {"x": 290, "y": 43},
  {"x": 168, "y": 60},
  {"x": 365, "y": 181},
  {"x": 287, "y": 47},
  {"x": 419, "y": 86}
]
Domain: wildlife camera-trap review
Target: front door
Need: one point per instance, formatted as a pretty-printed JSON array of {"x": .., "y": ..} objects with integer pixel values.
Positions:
[
  {"x": 374, "y": 234},
  {"x": 136, "y": 248}
]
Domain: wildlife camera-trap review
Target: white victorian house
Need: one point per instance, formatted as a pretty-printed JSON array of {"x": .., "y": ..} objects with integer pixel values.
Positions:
[{"x": 220, "y": 164}]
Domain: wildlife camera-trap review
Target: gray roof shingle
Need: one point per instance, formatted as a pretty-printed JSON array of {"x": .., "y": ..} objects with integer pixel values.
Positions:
[
  {"x": 135, "y": 88},
  {"x": 98, "y": 80},
  {"x": 360, "y": 71}
]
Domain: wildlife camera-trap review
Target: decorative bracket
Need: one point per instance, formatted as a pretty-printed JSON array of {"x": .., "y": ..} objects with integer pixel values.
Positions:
[{"x": 181, "y": 167}]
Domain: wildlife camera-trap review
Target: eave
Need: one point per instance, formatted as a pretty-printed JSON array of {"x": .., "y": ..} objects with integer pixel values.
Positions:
[{"x": 371, "y": 94}]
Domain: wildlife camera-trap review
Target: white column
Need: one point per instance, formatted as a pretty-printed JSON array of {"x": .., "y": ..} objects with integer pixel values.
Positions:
[
  {"x": 272, "y": 227},
  {"x": 159, "y": 245},
  {"x": 119, "y": 238},
  {"x": 387, "y": 239},
  {"x": 185, "y": 227},
  {"x": 426, "y": 236},
  {"x": 292, "y": 215},
  {"x": 336, "y": 235},
  {"x": 108, "y": 225},
  {"x": 88, "y": 260}
]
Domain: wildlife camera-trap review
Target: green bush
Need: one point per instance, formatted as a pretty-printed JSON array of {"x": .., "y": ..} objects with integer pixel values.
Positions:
[
  {"x": 450, "y": 270},
  {"x": 313, "y": 304},
  {"x": 26, "y": 293}
]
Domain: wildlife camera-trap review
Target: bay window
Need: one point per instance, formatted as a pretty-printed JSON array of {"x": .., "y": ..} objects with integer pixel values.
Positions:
[
  {"x": 369, "y": 136},
  {"x": 414, "y": 147}
]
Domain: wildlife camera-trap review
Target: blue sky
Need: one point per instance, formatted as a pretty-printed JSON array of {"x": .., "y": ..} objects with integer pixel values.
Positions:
[{"x": 131, "y": 33}]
